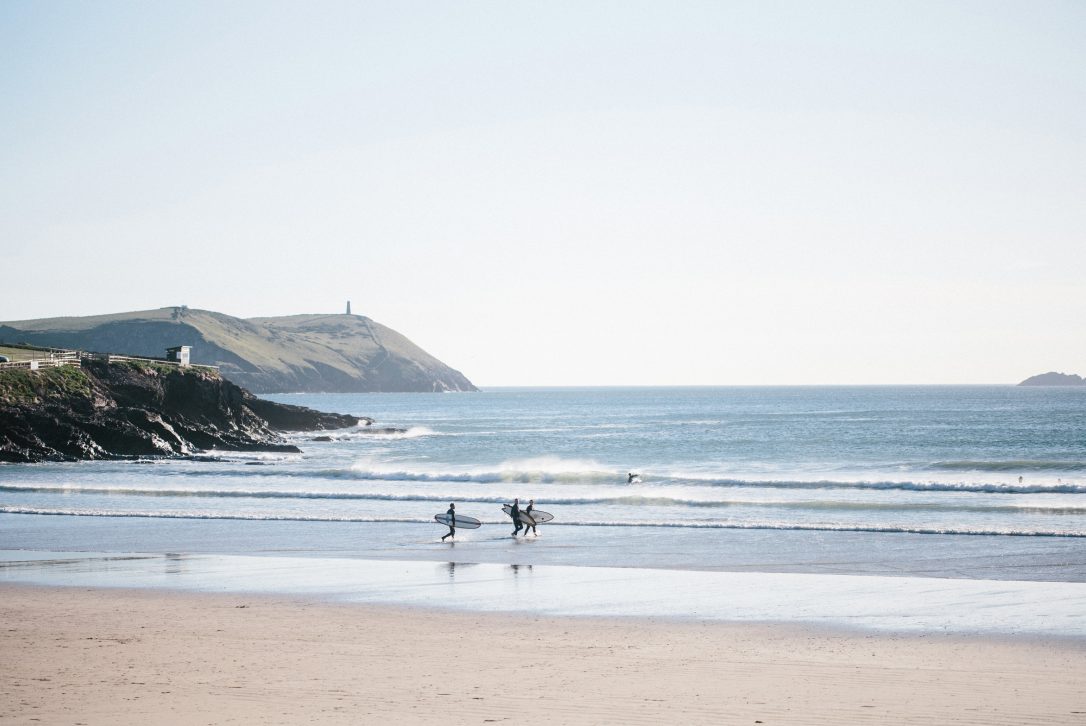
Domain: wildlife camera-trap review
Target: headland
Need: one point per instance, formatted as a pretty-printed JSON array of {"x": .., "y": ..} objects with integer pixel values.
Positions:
[{"x": 95, "y": 408}]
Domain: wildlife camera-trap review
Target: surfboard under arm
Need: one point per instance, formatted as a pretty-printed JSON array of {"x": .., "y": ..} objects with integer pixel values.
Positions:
[
  {"x": 537, "y": 516},
  {"x": 462, "y": 522}
]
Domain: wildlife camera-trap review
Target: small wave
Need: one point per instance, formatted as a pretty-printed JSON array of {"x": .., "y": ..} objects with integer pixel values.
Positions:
[
  {"x": 362, "y": 472},
  {"x": 415, "y": 432},
  {"x": 1008, "y": 466},
  {"x": 203, "y": 515},
  {"x": 583, "y": 523},
  {"x": 834, "y": 528},
  {"x": 383, "y": 434},
  {"x": 538, "y": 470},
  {"x": 976, "y": 487},
  {"x": 630, "y": 501},
  {"x": 263, "y": 456},
  {"x": 519, "y": 474}
]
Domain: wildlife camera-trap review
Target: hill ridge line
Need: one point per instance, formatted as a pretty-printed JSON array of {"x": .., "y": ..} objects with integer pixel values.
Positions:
[{"x": 310, "y": 352}]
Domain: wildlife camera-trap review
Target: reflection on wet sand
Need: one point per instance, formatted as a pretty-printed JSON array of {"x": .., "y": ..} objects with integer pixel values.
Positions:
[{"x": 882, "y": 603}]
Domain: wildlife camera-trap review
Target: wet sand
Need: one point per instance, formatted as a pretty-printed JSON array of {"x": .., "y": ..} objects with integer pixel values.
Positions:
[
  {"x": 887, "y": 604},
  {"x": 115, "y": 656}
]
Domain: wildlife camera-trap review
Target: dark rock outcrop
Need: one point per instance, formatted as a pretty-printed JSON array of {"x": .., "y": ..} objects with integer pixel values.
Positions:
[
  {"x": 134, "y": 409},
  {"x": 1054, "y": 379},
  {"x": 285, "y": 417}
]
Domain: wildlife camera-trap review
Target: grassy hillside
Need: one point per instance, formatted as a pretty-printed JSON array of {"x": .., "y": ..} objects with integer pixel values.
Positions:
[
  {"x": 21, "y": 385},
  {"x": 265, "y": 355}
]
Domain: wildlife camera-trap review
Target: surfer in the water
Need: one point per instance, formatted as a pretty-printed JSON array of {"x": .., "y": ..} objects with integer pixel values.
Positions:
[
  {"x": 515, "y": 514},
  {"x": 528, "y": 511},
  {"x": 631, "y": 476},
  {"x": 452, "y": 521}
]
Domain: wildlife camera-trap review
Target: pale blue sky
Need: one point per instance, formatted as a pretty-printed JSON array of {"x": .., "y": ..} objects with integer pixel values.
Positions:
[{"x": 567, "y": 193}]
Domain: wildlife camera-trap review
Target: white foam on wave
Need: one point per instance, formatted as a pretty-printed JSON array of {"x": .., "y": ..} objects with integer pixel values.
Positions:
[
  {"x": 672, "y": 524},
  {"x": 800, "y": 527},
  {"x": 527, "y": 470},
  {"x": 647, "y": 498},
  {"x": 201, "y": 515},
  {"x": 415, "y": 432},
  {"x": 570, "y": 471},
  {"x": 820, "y": 480},
  {"x": 363, "y": 433},
  {"x": 553, "y": 465},
  {"x": 264, "y": 456}
]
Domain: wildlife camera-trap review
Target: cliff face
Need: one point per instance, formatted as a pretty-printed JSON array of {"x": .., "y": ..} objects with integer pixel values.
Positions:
[
  {"x": 122, "y": 410},
  {"x": 1054, "y": 379},
  {"x": 330, "y": 353}
]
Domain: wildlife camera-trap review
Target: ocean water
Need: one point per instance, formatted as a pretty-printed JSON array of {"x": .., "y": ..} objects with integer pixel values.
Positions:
[{"x": 935, "y": 481}]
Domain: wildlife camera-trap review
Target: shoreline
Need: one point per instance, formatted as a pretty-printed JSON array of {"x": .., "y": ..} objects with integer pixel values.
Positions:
[
  {"x": 122, "y": 656},
  {"x": 720, "y": 550},
  {"x": 779, "y": 627},
  {"x": 864, "y": 603}
]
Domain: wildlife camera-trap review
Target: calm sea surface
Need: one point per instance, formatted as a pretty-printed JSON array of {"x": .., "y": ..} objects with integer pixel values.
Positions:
[{"x": 977, "y": 481}]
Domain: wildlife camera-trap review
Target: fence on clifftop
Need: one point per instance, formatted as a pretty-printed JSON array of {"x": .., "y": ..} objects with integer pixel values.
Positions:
[
  {"x": 36, "y": 358},
  {"x": 115, "y": 358}
]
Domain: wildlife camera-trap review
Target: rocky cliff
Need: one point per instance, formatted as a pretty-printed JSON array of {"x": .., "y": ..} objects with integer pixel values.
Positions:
[
  {"x": 133, "y": 409},
  {"x": 330, "y": 353}
]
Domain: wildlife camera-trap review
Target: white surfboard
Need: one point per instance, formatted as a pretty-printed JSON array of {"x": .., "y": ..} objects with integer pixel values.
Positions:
[
  {"x": 537, "y": 516},
  {"x": 462, "y": 522}
]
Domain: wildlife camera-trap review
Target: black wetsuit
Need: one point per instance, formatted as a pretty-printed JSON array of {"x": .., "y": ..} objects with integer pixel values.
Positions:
[
  {"x": 452, "y": 523},
  {"x": 528, "y": 511},
  {"x": 515, "y": 514}
]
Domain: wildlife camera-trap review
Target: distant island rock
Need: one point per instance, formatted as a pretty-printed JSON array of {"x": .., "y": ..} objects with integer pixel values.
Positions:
[
  {"x": 299, "y": 353},
  {"x": 1054, "y": 379},
  {"x": 136, "y": 409}
]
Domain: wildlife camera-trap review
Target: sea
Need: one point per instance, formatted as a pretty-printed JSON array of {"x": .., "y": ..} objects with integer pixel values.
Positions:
[{"x": 948, "y": 486}]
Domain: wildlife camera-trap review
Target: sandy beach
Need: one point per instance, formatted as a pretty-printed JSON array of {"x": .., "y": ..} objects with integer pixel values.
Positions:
[{"x": 109, "y": 656}]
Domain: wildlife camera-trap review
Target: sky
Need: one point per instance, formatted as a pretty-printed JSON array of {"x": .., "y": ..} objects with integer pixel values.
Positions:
[{"x": 567, "y": 193}]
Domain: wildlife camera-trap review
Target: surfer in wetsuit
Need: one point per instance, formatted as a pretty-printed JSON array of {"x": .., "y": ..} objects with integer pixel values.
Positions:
[
  {"x": 528, "y": 512},
  {"x": 630, "y": 477},
  {"x": 452, "y": 521},
  {"x": 515, "y": 514}
]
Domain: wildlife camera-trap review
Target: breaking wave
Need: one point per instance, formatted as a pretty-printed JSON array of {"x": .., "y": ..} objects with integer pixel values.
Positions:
[
  {"x": 519, "y": 474},
  {"x": 415, "y": 432},
  {"x": 919, "y": 486},
  {"x": 537, "y": 470},
  {"x": 620, "y": 500}
]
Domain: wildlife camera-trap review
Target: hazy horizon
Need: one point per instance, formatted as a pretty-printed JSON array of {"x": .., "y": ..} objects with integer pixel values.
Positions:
[{"x": 572, "y": 193}]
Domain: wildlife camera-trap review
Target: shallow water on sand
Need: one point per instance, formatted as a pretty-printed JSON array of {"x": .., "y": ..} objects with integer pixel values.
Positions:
[
  {"x": 943, "y": 556},
  {"x": 899, "y": 604}
]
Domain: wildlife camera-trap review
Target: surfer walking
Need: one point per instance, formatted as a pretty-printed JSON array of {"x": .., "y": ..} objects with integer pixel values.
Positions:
[
  {"x": 515, "y": 514},
  {"x": 452, "y": 521},
  {"x": 531, "y": 521}
]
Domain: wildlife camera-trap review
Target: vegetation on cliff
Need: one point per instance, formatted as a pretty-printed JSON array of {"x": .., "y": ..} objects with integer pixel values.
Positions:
[{"x": 23, "y": 386}]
